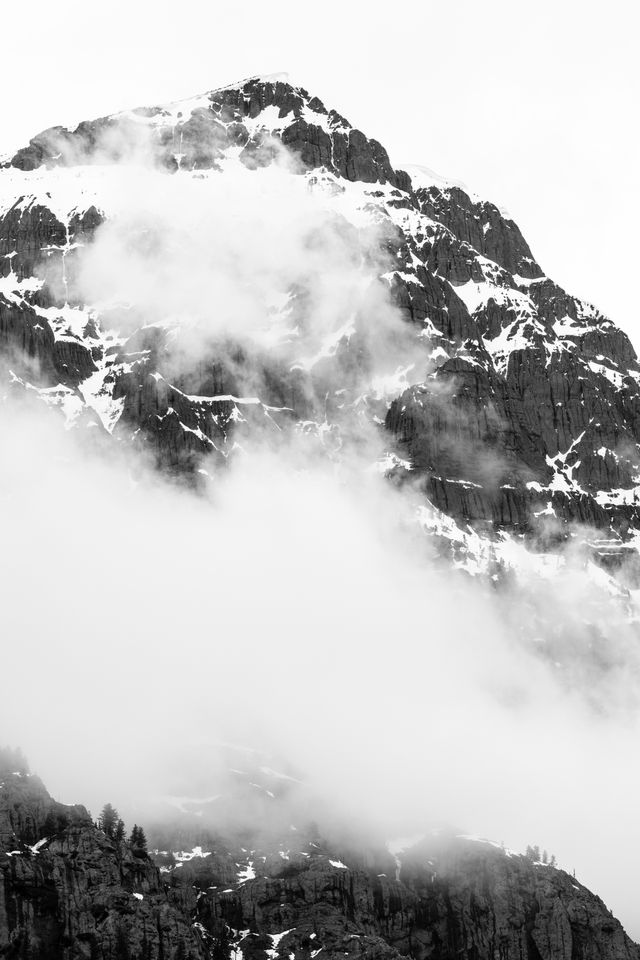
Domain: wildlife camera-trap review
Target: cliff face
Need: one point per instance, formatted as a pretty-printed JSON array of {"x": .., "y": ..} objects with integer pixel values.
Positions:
[
  {"x": 68, "y": 891},
  {"x": 531, "y": 408},
  {"x": 454, "y": 898}
]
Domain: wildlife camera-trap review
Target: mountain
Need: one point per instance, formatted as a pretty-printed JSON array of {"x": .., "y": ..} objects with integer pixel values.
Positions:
[
  {"x": 68, "y": 890},
  {"x": 182, "y": 283},
  {"x": 524, "y": 419}
]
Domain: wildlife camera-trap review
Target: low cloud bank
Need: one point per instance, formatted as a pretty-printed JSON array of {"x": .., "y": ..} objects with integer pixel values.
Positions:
[
  {"x": 294, "y": 607},
  {"x": 293, "y": 612}
]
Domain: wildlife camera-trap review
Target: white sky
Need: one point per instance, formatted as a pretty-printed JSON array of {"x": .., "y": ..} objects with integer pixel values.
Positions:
[{"x": 533, "y": 106}]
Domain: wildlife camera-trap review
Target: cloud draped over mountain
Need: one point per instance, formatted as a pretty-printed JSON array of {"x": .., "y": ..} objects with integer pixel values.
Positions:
[{"x": 357, "y": 376}]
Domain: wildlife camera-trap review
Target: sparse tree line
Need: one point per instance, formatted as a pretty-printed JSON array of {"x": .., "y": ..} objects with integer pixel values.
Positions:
[
  {"x": 113, "y": 826},
  {"x": 533, "y": 854}
]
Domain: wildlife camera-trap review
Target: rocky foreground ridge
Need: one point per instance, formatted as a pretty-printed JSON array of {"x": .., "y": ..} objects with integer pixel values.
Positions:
[
  {"x": 69, "y": 891},
  {"x": 527, "y": 412}
]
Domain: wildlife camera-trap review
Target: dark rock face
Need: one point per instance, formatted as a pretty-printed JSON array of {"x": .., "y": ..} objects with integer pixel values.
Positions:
[
  {"x": 533, "y": 403},
  {"x": 444, "y": 898},
  {"x": 26, "y": 343},
  {"x": 543, "y": 385},
  {"x": 67, "y": 891},
  {"x": 29, "y": 348},
  {"x": 483, "y": 227},
  {"x": 29, "y": 235}
]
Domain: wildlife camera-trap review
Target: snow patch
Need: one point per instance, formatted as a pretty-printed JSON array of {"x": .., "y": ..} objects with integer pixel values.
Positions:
[{"x": 183, "y": 856}]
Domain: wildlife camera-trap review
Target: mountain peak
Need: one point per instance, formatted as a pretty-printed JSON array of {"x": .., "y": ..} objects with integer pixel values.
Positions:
[{"x": 261, "y": 78}]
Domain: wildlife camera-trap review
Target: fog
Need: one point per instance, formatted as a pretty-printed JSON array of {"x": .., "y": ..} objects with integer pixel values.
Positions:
[{"x": 293, "y": 605}]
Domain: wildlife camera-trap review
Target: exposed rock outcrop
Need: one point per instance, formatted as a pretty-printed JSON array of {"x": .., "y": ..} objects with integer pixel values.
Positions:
[
  {"x": 68, "y": 891},
  {"x": 297, "y": 894}
]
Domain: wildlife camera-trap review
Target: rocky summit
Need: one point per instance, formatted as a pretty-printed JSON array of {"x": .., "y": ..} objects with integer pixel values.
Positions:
[
  {"x": 69, "y": 890},
  {"x": 524, "y": 414}
]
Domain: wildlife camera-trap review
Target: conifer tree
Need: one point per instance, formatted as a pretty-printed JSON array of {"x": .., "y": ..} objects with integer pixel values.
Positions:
[
  {"x": 142, "y": 839},
  {"x": 138, "y": 839},
  {"x": 108, "y": 819}
]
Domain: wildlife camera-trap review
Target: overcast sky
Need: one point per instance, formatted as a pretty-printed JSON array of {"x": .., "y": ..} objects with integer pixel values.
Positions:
[{"x": 532, "y": 106}]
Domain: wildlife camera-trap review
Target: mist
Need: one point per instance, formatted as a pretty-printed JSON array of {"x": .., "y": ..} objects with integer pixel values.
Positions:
[{"x": 293, "y": 605}]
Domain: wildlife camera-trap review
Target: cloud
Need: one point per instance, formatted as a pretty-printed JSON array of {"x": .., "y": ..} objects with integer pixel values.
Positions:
[
  {"x": 294, "y": 605},
  {"x": 292, "y": 611}
]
